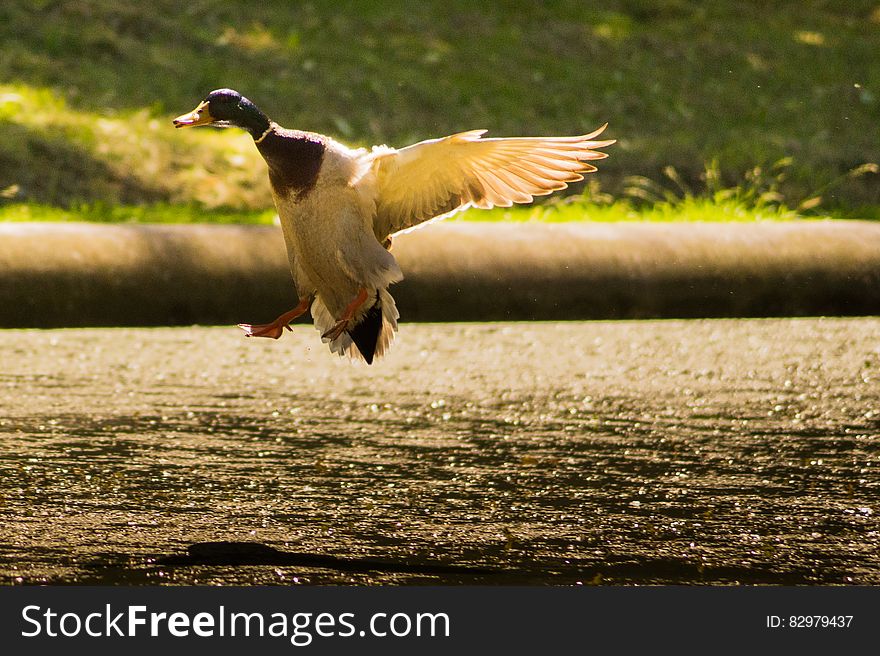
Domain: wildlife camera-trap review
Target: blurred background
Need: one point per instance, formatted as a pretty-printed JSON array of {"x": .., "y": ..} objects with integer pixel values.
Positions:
[{"x": 723, "y": 110}]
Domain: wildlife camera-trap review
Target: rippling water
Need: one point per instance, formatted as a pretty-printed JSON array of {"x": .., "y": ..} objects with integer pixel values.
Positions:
[{"x": 594, "y": 453}]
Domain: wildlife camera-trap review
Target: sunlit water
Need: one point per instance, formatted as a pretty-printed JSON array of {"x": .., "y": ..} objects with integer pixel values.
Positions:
[{"x": 614, "y": 453}]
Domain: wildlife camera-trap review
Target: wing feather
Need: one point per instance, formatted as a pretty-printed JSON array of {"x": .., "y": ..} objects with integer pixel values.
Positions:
[{"x": 435, "y": 178}]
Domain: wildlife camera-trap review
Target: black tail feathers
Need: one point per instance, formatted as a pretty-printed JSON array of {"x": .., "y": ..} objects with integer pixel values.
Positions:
[{"x": 365, "y": 334}]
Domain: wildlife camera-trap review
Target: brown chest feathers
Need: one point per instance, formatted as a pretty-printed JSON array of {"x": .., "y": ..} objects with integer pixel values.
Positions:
[{"x": 294, "y": 159}]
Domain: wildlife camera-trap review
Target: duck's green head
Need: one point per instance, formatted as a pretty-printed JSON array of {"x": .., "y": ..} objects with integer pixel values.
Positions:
[{"x": 225, "y": 107}]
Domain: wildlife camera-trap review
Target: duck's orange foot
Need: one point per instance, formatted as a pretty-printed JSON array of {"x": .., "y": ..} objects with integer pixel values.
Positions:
[
  {"x": 336, "y": 330},
  {"x": 347, "y": 316},
  {"x": 275, "y": 329}
]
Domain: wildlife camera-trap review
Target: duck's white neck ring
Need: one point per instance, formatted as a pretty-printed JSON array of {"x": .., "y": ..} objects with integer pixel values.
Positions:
[{"x": 264, "y": 135}]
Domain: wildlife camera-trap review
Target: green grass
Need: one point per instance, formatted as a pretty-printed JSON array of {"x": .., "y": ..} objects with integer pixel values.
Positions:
[
  {"x": 152, "y": 213},
  {"x": 54, "y": 154},
  {"x": 690, "y": 209},
  {"x": 89, "y": 88},
  {"x": 570, "y": 209}
]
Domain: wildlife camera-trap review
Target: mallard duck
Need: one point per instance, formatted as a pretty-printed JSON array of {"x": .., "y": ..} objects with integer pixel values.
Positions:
[{"x": 340, "y": 207}]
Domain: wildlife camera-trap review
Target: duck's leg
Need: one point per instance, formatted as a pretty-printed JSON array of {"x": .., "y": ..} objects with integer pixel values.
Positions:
[
  {"x": 276, "y": 328},
  {"x": 344, "y": 320}
]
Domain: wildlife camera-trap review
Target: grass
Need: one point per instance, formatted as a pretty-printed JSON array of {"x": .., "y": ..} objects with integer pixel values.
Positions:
[
  {"x": 690, "y": 209},
  {"x": 89, "y": 88},
  {"x": 144, "y": 213},
  {"x": 57, "y": 155},
  {"x": 573, "y": 208},
  {"x": 756, "y": 198},
  {"x": 696, "y": 210}
]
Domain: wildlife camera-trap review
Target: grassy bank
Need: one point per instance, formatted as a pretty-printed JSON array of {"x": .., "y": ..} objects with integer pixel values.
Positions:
[
  {"x": 89, "y": 87},
  {"x": 569, "y": 209}
]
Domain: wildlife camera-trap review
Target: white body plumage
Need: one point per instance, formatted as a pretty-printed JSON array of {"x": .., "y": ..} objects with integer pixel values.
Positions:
[{"x": 332, "y": 248}]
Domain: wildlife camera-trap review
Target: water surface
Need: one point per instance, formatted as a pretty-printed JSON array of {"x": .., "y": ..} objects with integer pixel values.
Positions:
[{"x": 729, "y": 451}]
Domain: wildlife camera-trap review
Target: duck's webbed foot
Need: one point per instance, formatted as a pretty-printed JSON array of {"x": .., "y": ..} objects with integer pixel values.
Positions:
[
  {"x": 342, "y": 325},
  {"x": 276, "y": 328}
]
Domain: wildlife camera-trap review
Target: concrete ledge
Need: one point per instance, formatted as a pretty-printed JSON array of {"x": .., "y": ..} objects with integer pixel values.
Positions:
[{"x": 111, "y": 275}]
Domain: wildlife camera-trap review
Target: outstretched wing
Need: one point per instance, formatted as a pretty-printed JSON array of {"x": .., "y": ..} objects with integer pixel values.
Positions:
[{"x": 435, "y": 178}]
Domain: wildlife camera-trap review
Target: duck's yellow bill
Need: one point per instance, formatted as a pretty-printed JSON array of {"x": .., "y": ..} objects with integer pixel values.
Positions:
[{"x": 199, "y": 116}]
